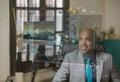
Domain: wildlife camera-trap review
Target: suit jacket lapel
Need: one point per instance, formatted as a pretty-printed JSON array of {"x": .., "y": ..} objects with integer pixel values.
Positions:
[
  {"x": 99, "y": 66},
  {"x": 81, "y": 62}
]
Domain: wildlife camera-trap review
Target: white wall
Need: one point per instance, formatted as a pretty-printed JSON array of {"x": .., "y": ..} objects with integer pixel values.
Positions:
[
  {"x": 93, "y": 7},
  {"x": 4, "y": 40},
  {"x": 112, "y": 16},
  {"x": 89, "y": 5},
  {"x": 109, "y": 9}
]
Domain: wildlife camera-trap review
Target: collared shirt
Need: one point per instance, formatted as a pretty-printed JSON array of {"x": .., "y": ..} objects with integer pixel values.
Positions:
[{"x": 93, "y": 64}]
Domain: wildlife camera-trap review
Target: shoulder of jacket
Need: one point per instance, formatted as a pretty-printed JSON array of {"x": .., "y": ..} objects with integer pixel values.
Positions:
[
  {"x": 73, "y": 53},
  {"x": 105, "y": 56}
]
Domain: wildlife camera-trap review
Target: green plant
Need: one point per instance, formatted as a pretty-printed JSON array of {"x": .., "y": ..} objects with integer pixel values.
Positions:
[{"x": 111, "y": 30}]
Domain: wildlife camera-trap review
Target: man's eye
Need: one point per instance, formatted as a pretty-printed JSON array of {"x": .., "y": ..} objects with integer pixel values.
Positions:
[{"x": 89, "y": 39}]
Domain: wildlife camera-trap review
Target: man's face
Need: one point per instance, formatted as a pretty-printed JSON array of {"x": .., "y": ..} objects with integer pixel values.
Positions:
[{"x": 86, "y": 42}]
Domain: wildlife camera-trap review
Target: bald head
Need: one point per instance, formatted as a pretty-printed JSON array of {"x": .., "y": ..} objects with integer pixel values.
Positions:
[{"x": 90, "y": 31}]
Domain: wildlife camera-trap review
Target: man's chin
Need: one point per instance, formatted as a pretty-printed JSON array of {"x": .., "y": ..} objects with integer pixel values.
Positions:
[{"x": 83, "y": 52}]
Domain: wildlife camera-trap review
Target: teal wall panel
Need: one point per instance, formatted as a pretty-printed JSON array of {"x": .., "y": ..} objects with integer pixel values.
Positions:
[{"x": 113, "y": 47}]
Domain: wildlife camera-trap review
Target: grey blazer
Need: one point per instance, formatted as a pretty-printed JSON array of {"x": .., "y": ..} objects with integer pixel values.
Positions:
[{"x": 73, "y": 68}]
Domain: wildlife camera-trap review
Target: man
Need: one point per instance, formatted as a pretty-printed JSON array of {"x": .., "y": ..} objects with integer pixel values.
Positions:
[{"x": 74, "y": 65}]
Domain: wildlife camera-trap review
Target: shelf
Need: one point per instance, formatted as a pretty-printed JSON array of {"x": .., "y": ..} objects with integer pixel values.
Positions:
[{"x": 42, "y": 42}]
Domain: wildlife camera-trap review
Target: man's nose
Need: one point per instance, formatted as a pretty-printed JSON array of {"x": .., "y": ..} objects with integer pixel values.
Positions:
[{"x": 84, "y": 41}]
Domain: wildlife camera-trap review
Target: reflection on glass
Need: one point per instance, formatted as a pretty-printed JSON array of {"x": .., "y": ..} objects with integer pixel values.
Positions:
[
  {"x": 59, "y": 3},
  {"x": 50, "y": 15},
  {"x": 58, "y": 42},
  {"x": 50, "y": 3},
  {"x": 59, "y": 19},
  {"x": 21, "y": 3},
  {"x": 34, "y": 3},
  {"x": 34, "y": 15},
  {"x": 21, "y": 18}
]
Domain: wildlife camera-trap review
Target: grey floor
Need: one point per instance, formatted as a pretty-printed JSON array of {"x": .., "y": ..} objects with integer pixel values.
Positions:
[{"x": 44, "y": 75}]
